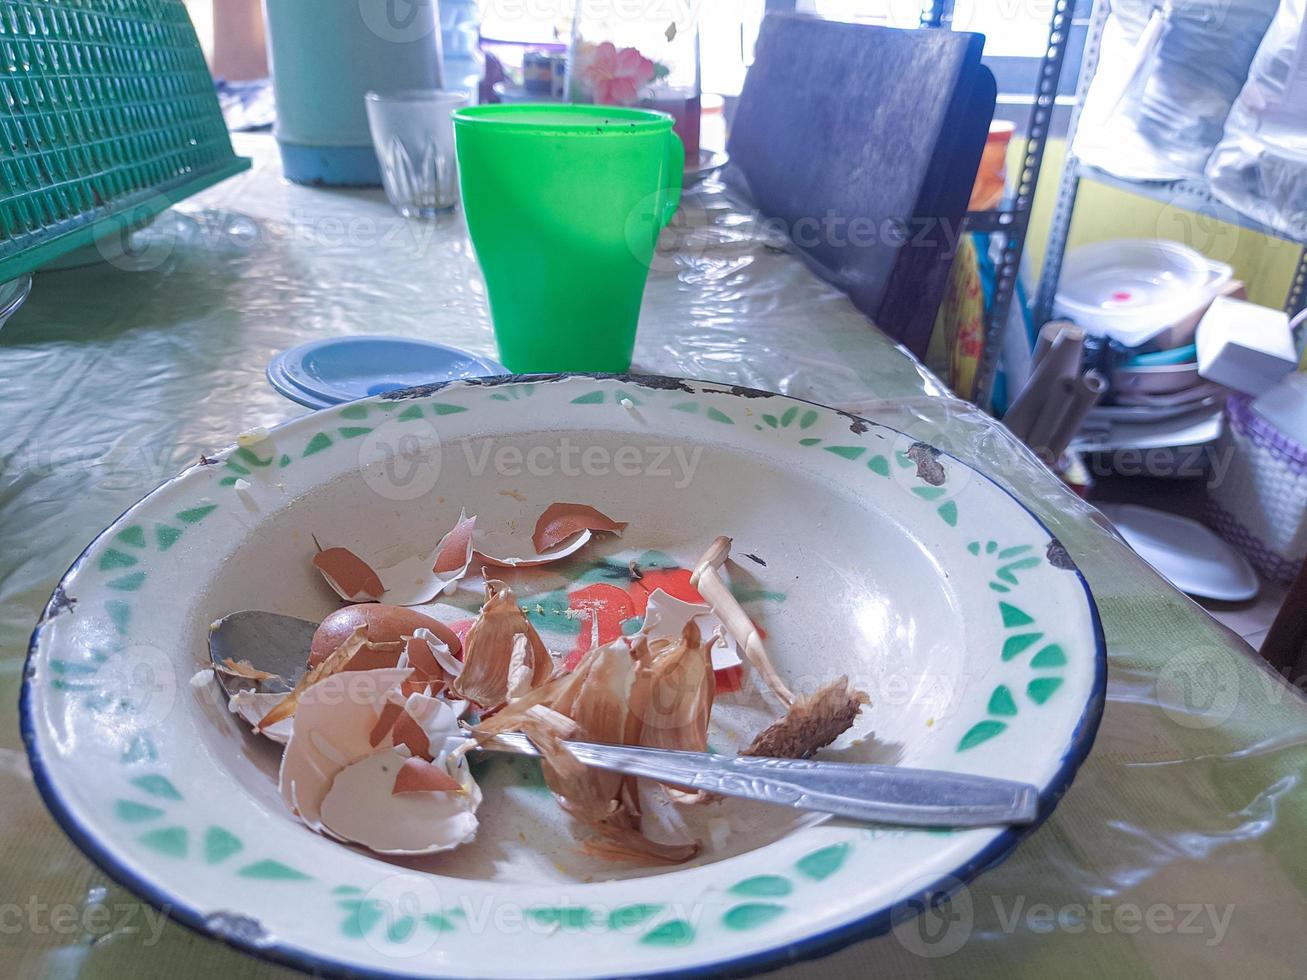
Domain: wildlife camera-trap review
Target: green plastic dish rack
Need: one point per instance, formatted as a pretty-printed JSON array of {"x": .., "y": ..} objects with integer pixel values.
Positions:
[{"x": 108, "y": 116}]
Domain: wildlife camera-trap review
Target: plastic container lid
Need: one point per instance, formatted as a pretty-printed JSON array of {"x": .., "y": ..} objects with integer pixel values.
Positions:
[
  {"x": 1132, "y": 290},
  {"x": 343, "y": 369}
]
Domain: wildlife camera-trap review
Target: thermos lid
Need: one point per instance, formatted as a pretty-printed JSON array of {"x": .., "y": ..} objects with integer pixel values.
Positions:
[{"x": 343, "y": 369}]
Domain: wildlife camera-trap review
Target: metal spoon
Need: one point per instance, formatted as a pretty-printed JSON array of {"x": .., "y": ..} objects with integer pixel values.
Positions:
[{"x": 874, "y": 793}]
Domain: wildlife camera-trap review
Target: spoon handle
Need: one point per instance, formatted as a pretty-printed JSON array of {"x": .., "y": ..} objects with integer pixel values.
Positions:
[{"x": 871, "y": 793}]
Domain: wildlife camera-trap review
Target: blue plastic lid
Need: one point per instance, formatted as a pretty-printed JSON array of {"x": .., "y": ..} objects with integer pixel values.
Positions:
[{"x": 343, "y": 369}]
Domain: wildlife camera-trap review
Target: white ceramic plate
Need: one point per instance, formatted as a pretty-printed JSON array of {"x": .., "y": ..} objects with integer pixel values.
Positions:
[
  {"x": 858, "y": 551},
  {"x": 1188, "y": 554}
]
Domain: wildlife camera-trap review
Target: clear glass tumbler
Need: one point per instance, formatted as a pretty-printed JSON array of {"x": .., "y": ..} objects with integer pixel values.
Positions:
[{"x": 414, "y": 140}]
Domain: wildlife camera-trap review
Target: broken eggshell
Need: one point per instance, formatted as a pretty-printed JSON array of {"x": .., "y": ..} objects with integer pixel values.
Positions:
[
  {"x": 431, "y": 655},
  {"x": 333, "y": 727},
  {"x": 562, "y": 520},
  {"x": 420, "y": 579},
  {"x": 363, "y": 807},
  {"x": 560, "y": 532},
  {"x": 420, "y": 776},
  {"x": 425, "y": 725},
  {"x": 504, "y": 544},
  {"x": 349, "y": 576},
  {"x": 382, "y": 624},
  {"x": 253, "y": 706}
]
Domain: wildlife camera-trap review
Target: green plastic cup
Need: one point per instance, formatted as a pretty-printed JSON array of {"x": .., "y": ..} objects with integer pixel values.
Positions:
[{"x": 564, "y": 204}]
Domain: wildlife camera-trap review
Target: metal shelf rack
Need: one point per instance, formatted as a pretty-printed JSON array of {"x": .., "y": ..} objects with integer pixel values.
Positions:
[
  {"x": 1189, "y": 195},
  {"x": 1012, "y": 219}
]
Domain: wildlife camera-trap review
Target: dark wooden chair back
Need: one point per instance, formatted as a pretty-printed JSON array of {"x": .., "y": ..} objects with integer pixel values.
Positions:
[
  {"x": 864, "y": 142},
  {"x": 1285, "y": 646}
]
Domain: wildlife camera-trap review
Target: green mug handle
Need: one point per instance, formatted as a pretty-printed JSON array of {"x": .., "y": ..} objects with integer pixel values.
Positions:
[{"x": 676, "y": 161}]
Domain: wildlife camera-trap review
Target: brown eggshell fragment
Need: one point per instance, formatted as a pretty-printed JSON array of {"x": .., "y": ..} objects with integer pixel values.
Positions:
[
  {"x": 450, "y": 664},
  {"x": 562, "y": 520},
  {"x": 430, "y": 657},
  {"x": 349, "y": 575},
  {"x": 420, "y": 776},
  {"x": 424, "y": 725},
  {"x": 455, "y": 547},
  {"x": 409, "y": 733},
  {"x": 376, "y": 656},
  {"x": 384, "y": 624},
  {"x": 386, "y": 722}
]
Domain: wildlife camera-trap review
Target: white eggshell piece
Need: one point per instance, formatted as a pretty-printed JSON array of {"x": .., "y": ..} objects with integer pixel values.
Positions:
[
  {"x": 434, "y": 716},
  {"x": 420, "y": 579},
  {"x": 253, "y": 706},
  {"x": 440, "y": 650},
  {"x": 361, "y": 808},
  {"x": 505, "y": 545},
  {"x": 333, "y": 727}
]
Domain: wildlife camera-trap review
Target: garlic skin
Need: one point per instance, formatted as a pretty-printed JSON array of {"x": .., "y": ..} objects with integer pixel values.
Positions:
[
  {"x": 707, "y": 579},
  {"x": 488, "y": 650},
  {"x": 677, "y": 698},
  {"x": 602, "y": 700}
]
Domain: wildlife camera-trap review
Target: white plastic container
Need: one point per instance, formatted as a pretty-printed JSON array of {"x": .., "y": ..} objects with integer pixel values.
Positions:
[
  {"x": 1260, "y": 506},
  {"x": 1134, "y": 289},
  {"x": 1244, "y": 346}
]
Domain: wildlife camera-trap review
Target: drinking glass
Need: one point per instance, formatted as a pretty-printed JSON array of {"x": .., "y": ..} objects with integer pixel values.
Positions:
[{"x": 414, "y": 139}]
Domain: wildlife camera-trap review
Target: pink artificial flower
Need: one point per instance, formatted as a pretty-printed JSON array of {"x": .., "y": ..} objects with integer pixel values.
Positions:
[{"x": 616, "y": 77}]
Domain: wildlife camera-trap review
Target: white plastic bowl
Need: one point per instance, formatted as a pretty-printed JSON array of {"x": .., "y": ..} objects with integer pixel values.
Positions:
[{"x": 1132, "y": 290}]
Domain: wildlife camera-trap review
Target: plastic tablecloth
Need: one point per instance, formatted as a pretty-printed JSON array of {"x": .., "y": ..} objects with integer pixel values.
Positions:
[{"x": 1178, "y": 852}]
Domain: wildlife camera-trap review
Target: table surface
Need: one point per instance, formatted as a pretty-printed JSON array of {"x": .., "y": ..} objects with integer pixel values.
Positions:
[{"x": 1179, "y": 850}]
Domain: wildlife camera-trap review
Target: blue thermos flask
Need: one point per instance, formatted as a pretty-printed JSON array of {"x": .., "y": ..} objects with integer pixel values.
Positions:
[{"x": 326, "y": 56}]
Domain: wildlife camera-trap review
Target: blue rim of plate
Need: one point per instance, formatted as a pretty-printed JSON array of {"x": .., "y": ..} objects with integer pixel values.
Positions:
[
  {"x": 815, "y": 946},
  {"x": 286, "y": 372}
]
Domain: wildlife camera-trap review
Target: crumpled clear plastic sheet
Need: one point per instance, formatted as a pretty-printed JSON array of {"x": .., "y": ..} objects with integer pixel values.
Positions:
[
  {"x": 1179, "y": 850},
  {"x": 1260, "y": 166},
  {"x": 1166, "y": 77}
]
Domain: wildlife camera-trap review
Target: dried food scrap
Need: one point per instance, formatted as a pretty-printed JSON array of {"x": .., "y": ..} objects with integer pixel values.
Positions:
[{"x": 812, "y": 723}]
